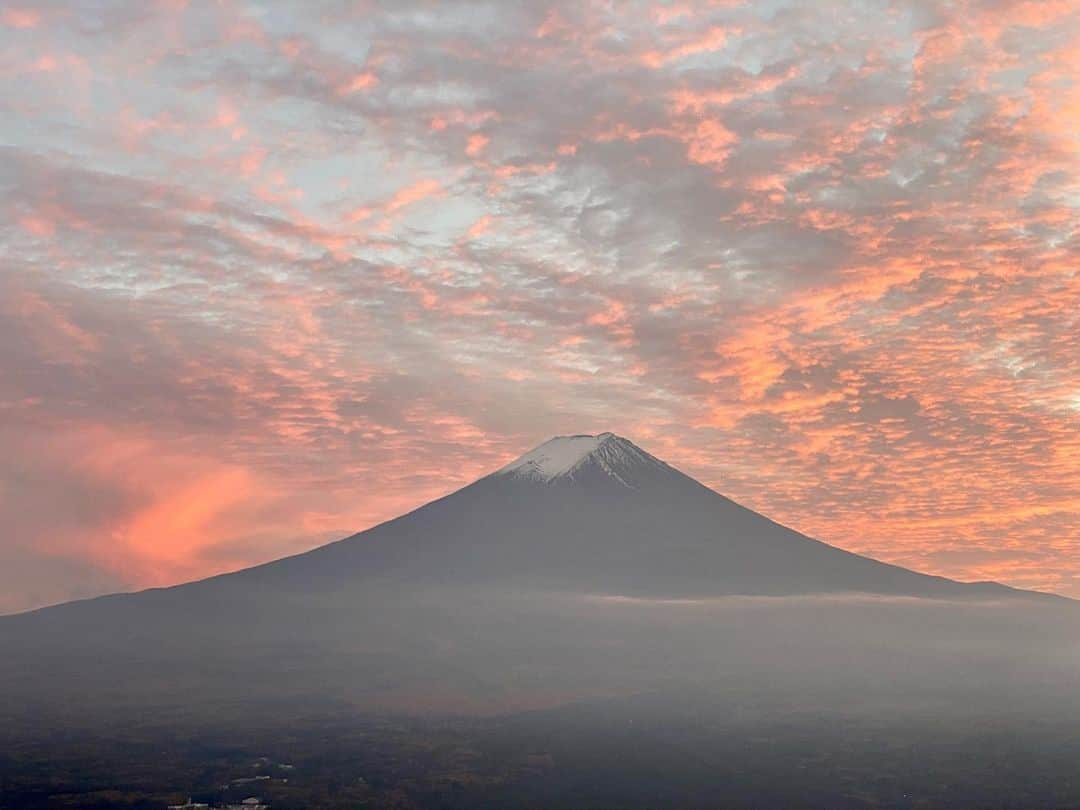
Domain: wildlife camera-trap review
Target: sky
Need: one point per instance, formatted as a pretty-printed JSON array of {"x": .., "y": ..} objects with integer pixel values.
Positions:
[{"x": 271, "y": 273}]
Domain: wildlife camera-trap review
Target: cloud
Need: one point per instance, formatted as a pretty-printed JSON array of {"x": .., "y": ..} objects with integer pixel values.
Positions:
[{"x": 334, "y": 262}]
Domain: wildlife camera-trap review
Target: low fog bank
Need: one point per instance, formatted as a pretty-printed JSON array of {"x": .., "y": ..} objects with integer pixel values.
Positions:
[{"x": 490, "y": 651}]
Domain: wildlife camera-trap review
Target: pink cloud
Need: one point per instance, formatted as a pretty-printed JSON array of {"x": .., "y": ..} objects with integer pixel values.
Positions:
[
  {"x": 712, "y": 39},
  {"x": 829, "y": 277},
  {"x": 20, "y": 17},
  {"x": 358, "y": 83},
  {"x": 710, "y": 143},
  {"x": 480, "y": 227},
  {"x": 476, "y": 144}
]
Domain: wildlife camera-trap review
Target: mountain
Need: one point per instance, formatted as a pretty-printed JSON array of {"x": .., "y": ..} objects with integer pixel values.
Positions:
[
  {"x": 598, "y": 514},
  {"x": 562, "y": 568}
]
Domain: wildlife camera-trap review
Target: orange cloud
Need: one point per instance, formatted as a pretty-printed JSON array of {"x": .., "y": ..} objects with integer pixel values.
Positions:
[
  {"x": 710, "y": 143},
  {"x": 480, "y": 227},
  {"x": 834, "y": 276},
  {"x": 414, "y": 193},
  {"x": 712, "y": 39},
  {"x": 20, "y": 17},
  {"x": 476, "y": 144},
  {"x": 359, "y": 82}
]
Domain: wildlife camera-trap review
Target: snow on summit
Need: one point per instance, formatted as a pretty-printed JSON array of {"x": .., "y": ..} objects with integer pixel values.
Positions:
[
  {"x": 561, "y": 456},
  {"x": 556, "y": 456}
]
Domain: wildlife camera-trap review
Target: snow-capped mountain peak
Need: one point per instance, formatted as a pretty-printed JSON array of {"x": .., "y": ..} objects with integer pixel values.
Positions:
[{"x": 562, "y": 456}]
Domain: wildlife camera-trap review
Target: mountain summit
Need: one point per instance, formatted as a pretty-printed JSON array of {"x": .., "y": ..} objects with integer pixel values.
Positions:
[{"x": 563, "y": 457}]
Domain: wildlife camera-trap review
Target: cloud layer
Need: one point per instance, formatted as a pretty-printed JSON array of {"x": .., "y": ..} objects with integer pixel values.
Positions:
[{"x": 274, "y": 272}]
